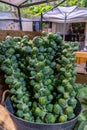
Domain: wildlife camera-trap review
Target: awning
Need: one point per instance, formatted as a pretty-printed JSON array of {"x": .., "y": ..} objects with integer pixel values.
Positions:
[
  {"x": 71, "y": 14},
  {"x": 20, "y": 2},
  {"x": 13, "y": 2}
]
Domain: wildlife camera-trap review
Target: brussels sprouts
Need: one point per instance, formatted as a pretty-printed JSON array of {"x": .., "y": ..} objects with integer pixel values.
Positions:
[
  {"x": 50, "y": 118},
  {"x": 19, "y": 113},
  {"x": 62, "y": 102},
  {"x": 49, "y": 107},
  {"x": 42, "y": 100},
  {"x": 41, "y": 77},
  {"x": 57, "y": 109},
  {"x": 39, "y": 112},
  {"x": 62, "y": 118}
]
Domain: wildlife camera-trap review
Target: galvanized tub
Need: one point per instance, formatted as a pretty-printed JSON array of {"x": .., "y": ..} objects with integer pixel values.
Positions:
[{"x": 25, "y": 125}]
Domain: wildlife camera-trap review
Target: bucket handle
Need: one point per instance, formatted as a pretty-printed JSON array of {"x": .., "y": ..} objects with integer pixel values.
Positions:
[
  {"x": 84, "y": 109},
  {"x": 4, "y": 95}
]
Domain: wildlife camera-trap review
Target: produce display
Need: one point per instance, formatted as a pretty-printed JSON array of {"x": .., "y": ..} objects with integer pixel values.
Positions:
[
  {"x": 41, "y": 77},
  {"x": 82, "y": 96}
]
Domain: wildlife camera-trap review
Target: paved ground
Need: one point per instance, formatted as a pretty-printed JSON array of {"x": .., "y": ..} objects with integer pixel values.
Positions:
[{"x": 5, "y": 121}]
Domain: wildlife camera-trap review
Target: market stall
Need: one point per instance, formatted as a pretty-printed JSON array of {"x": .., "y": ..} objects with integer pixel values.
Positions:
[
  {"x": 81, "y": 57},
  {"x": 65, "y": 16}
]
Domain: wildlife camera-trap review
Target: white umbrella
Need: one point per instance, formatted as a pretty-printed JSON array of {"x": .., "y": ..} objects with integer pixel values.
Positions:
[{"x": 66, "y": 15}]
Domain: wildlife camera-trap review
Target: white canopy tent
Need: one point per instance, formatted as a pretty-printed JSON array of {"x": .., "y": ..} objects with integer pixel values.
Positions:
[
  {"x": 71, "y": 14},
  {"x": 20, "y": 2},
  {"x": 65, "y": 15},
  {"x": 14, "y": 2}
]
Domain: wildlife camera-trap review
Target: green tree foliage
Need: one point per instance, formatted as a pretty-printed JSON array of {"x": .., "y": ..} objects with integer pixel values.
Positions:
[
  {"x": 80, "y": 3},
  {"x": 84, "y": 2},
  {"x": 35, "y": 10},
  {"x": 4, "y": 7}
]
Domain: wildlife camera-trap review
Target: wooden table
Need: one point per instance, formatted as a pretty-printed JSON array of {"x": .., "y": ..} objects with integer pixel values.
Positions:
[{"x": 81, "y": 57}]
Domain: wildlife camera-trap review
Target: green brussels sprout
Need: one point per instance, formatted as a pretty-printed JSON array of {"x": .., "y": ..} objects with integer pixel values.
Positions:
[
  {"x": 49, "y": 49},
  {"x": 10, "y": 51},
  {"x": 40, "y": 57},
  {"x": 50, "y": 118},
  {"x": 53, "y": 64},
  {"x": 39, "y": 112},
  {"x": 34, "y": 50},
  {"x": 43, "y": 100},
  {"x": 38, "y": 120},
  {"x": 50, "y": 35},
  {"x": 72, "y": 102},
  {"x": 37, "y": 95},
  {"x": 73, "y": 93},
  {"x": 53, "y": 45},
  {"x": 17, "y": 39},
  {"x": 19, "y": 96},
  {"x": 58, "y": 39},
  {"x": 50, "y": 57},
  {"x": 9, "y": 71},
  {"x": 44, "y": 33},
  {"x": 12, "y": 98},
  {"x": 62, "y": 102},
  {"x": 62, "y": 118},
  {"x": 57, "y": 109},
  {"x": 25, "y": 99},
  {"x": 37, "y": 41},
  {"x": 46, "y": 92},
  {"x": 66, "y": 95},
  {"x": 37, "y": 87},
  {"x": 69, "y": 110},
  {"x": 27, "y": 117},
  {"x": 9, "y": 80},
  {"x": 26, "y": 37},
  {"x": 19, "y": 113},
  {"x": 41, "y": 49},
  {"x": 71, "y": 116},
  {"x": 34, "y": 104},
  {"x": 48, "y": 82},
  {"x": 32, "y": 82},
  {"x": 49, "y": 107},
  {"x": 33, "y": 73},
  {"x": 26, "y": 49},
  {"x": 65, "y": 81},
  {"x": 17, "y": 85},
  {"x": 65, "y": 60},
  {"x": 64, "y": 51},
  {"x": 39, "y": 76},
  {"x": 62, "y": 70},
  {"x": 12, "y": 91},
  {"x": 69, "y": 87},
  {"x": 40, "y": 65},
  {"x": 67, "y": 74},
  {"x": 47, "y": 70},
  {"x": 19, "y": 106},
  {"x": 50, "y": 87},
  {"x": 50, "y": 97},
  {"x": 60, "y": 89}
]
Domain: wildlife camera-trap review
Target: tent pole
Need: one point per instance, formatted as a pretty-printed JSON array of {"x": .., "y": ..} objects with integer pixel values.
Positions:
[
  {"x": 19, "y": 14},
  {"x": 41, "y": 22},
  {"x": 64, "y": 29}
]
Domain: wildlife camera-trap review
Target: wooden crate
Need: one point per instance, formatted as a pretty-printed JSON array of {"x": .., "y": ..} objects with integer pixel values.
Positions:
[
  {"x": 13, "y": 33},
  {"x": 81, "y": 78}
]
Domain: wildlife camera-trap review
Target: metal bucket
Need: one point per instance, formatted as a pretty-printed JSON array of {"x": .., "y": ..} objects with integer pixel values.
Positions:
[{"x": 25, "y": 125}]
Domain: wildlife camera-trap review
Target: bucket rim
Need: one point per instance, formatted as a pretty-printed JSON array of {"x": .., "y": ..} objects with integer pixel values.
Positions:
[{"x": 47, "y": 124}]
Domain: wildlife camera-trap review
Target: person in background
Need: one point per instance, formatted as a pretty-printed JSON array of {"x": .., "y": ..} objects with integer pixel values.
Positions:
[
  {"x": 81, "y": 43},
  {"x": 37, "y": 26}
]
